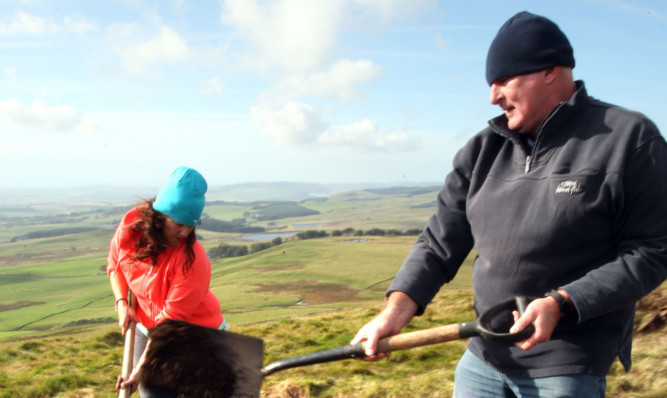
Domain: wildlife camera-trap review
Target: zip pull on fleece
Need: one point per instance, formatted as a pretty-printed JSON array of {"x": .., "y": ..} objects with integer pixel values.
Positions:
[{"x": 551, "y": 115}]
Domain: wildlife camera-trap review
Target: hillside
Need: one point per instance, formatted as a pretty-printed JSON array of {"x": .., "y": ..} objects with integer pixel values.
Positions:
[
  {"x": 59, "y": 337},
  {"x": 84, "y": 362},
  {"x": 53, "y": 257},
  {"x": 242, "y": 192}
]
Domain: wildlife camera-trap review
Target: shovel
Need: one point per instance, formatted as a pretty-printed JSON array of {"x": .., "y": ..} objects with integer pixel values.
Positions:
[
  {"x": 128, "y": 351},
  {"x": 209, "y": 363}
]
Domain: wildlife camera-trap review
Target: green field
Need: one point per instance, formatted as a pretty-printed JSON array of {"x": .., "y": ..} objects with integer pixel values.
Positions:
[
  {"x": 50, "y": 282},
  {"x": 59, "y": 335}
]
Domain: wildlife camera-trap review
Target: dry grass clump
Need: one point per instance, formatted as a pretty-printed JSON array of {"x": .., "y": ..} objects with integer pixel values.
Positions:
[
  {"x": 82, "y": 365},
  {"x": 647, "y": 377}
]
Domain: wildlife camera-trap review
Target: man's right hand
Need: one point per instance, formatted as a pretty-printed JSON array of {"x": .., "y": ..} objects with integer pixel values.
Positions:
[{"x": 398, "y": 310}]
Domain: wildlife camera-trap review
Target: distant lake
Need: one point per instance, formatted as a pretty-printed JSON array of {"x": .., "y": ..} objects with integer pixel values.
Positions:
[
  {"x": 273, "y": 235},
  {"x": 305, "y": 226},
  {"x": 265, "y": 237}
]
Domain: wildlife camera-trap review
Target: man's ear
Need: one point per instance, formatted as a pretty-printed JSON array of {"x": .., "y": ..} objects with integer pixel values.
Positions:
[{"x": 551, "y": 74}]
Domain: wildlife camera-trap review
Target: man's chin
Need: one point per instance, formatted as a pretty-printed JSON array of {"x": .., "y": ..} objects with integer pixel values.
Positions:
[{"x": 514, "y": 126}]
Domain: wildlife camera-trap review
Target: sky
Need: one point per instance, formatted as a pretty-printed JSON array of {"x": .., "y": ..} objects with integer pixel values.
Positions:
[{"x": 120, "y": 93}]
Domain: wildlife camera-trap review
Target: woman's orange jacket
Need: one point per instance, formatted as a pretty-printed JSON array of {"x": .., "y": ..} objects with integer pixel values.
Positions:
[{"x": 163, "y": 291}]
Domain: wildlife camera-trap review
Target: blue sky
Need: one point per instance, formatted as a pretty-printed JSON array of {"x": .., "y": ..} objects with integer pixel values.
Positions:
[{"x": 120, "y": 92}]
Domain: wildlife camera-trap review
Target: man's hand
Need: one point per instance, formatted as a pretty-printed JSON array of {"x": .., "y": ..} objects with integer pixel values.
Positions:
[
  {"x": 544, "y": 314},
  {"x": 397, "y": 312}
]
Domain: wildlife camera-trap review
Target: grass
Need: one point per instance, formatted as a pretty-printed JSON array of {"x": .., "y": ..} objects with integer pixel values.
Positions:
[
  {"x": 85, "y": 362},
  {"x": 59, "y": 337},
  {"x": 425, "y": 371},
  {"x": 75, "y": 364},
  {"x": 50, "y": 282},
  {"x": 325, "y": 273}
]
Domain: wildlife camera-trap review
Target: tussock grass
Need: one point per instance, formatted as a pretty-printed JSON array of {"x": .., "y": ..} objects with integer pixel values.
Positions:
[
  {"x": 424, "y": 371},
  {"x": 59, "y": 337},
  {"x": 85, "y": 363}
]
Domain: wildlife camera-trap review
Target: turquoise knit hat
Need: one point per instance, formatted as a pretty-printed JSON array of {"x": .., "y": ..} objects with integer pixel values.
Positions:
[{"x": 181, "y": 198}]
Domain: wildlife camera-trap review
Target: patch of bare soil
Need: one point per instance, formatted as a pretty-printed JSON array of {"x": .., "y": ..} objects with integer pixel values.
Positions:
[
  {"x": 311, "y": 292},
  {"x": 285, "y": 390},
  {"x": 282, "y": 267},
  {"x": 18, "y": 304},
  {"x": 43, "y": 258},
  {"x": 652, "y": 312}
]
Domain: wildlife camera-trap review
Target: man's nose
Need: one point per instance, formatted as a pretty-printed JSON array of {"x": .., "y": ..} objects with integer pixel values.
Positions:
[{"x": 494, "y": 93}]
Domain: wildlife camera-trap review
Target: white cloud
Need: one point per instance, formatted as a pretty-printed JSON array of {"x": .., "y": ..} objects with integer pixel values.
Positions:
[
  {"x": 27, "y": 24},
  {"x": 293, "y": 35},
  {"x": 9, "y": 71},
  {"x": 340, "y": 81},
  {"x": 385, "y": 11},
  {"x": 213, "y": 87},
  {"x": 24, "y": 23},
  {"x": 293, "y": 42},
  {"x": 299, "y": 124},
  {"x": 42, "y": 117},
  {"x": 167, "y": 45},
  {"x": 364, "y": 136},
  {"x": 88, "y": 125},
  {"x": 441, "y": 42},
  {"x": 296, "y": 123},
  {"x": 300, "y": 35},
  {"x": 77, "y": 24}
]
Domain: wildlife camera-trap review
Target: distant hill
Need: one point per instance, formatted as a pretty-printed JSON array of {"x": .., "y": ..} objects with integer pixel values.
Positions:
[
  {"x": 270, "y": 191},
  {"x": 91, "y": 195},
  {"x": 294, "y": 191},
  {"x": 243, "y": 192}
]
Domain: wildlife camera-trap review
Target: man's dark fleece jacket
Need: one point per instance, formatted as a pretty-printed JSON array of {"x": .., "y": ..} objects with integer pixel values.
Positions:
[{"x": 582, "y": 208}]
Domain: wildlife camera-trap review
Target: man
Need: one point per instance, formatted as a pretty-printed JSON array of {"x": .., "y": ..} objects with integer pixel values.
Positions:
[{"x": 563, "y": 199}]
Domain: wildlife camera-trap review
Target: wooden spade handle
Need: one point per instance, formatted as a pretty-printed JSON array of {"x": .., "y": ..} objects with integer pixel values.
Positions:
[
  {"x": 128, "y": 352},
  {"x": 394, "y": 343},
  {"x": 419, "y": 338}
]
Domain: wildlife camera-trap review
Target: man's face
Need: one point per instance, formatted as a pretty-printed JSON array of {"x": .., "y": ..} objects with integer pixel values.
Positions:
[
  {"x": 175, "y": 232},
  {"x": 523, "y": 100}
]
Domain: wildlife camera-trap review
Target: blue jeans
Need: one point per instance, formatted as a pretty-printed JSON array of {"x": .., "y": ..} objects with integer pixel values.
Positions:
[{"x": 473, "y": 378}]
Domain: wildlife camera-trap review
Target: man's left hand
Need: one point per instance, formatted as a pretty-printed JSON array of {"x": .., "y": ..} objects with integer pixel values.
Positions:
[{"x": 544, "y": 314}]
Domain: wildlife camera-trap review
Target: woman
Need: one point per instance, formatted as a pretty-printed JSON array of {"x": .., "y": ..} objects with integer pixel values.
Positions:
[{"x": 155, "y": 255}]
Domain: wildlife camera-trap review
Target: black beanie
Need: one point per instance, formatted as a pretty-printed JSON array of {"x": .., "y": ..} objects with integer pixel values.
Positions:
[{"x": 527, "y": 43}]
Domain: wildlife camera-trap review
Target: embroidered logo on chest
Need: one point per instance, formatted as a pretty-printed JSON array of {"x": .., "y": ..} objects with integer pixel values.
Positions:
[{"x": 569, "y": 187}]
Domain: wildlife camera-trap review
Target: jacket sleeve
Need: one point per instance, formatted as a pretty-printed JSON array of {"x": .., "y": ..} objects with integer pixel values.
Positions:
[
  {"x": 186, "y": 291},
  {"x": 123, "y": 240},
  {"x": 445, "y": 242},
  {"x": 112, "y": 259},
  {"x": 640, "y": 264},
  {"x": 115, "y": 246}
]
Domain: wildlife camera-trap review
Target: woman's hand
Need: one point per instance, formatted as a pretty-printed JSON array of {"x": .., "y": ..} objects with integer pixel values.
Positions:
[
  {"x": 125, "y": 315},
  {"x": 132, "y": 383}
]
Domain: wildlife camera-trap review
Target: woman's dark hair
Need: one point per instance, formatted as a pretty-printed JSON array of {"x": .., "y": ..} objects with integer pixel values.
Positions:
[{"x": 152, "y": 241}]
